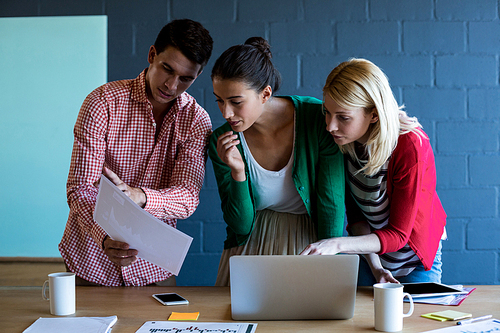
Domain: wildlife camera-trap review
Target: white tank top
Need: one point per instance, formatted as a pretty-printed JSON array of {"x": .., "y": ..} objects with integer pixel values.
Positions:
[{"x": 274, "y": 190}]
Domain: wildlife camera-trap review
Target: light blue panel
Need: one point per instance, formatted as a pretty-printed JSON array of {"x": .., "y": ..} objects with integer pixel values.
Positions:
[{"x": 48, "y": 66}]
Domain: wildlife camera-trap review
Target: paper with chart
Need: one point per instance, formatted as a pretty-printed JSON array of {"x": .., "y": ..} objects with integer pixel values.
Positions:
[
  {"x": 487, "y": 326},
  {"x": 181, "y": 327},
  {"x": 123, "y": 220}
]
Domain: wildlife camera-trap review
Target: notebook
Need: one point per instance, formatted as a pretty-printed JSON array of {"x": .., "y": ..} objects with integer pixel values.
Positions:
[{"x": 293, "y": 287}]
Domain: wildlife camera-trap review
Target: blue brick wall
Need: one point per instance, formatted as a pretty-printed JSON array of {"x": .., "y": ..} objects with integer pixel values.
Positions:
[{"x": 442, "y": 58}]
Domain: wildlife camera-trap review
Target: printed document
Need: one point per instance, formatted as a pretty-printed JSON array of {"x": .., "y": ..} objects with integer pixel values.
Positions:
[
  {"x": 182, "y": 327},
  {"x": 124, "y": 221},
  {"x": 492, "y": 325}
]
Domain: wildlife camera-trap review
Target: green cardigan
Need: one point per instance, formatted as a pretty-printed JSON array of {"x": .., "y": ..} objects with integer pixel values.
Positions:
[{"x": 318, "y": 174}]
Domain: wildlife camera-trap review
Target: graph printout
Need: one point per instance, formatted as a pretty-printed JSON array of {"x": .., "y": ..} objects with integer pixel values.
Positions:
[
  {"x": 181, "y": 327},
  {"x": 124, "y": 221}
]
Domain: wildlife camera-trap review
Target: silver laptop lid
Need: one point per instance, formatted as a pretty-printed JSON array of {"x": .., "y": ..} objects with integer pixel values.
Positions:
[{"x": 297, "y": 287}]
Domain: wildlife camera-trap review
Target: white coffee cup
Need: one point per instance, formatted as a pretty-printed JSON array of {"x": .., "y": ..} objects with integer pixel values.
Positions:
[
  {"x": 61, "y": 293},
  {"x": 389, "y": 306}
]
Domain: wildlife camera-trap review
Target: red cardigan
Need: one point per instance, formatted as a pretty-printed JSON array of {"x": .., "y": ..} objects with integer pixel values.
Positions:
[{"x": 416, "y": 214}]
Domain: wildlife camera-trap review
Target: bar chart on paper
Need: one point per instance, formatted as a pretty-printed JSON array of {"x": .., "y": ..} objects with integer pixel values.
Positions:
[{"x": 178, "y": 327}]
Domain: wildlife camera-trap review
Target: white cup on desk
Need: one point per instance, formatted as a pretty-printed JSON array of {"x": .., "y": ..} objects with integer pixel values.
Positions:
[
  {"x": 388, "y": 299},
  {"x": 61, "y": 293}
]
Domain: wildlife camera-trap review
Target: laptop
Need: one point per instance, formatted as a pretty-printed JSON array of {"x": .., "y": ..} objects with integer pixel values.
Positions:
[{"x": 294, "y": 287}]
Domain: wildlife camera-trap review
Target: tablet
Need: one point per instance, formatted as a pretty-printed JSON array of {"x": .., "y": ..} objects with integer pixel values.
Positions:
[{"x": 430, "y": 289}]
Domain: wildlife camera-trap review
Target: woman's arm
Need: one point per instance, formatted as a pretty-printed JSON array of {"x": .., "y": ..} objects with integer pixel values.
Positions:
[
  {"x": 236, "y": 200},
  {"x": 351, "y": 245},
  {"x": 363, "y": 242},
  {"x": 379, "y": 272}
]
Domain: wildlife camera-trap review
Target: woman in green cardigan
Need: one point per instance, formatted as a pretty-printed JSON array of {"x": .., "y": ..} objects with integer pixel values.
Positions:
[{"x": 280, "y": 174}]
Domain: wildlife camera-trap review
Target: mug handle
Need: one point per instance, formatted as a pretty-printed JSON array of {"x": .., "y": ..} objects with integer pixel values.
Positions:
[
  {"x": 410, "y": 312},
  {"x": 44, "y": 288}
]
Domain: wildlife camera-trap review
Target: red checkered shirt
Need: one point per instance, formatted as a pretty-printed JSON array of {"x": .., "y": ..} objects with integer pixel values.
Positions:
[{"x": 116, "y": 127}]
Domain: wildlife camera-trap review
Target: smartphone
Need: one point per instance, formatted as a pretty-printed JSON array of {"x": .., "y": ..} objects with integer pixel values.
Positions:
[{"x": 170, "y": 299}]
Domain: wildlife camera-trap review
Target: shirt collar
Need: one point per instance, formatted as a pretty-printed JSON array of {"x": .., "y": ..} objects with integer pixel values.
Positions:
[{"x": 138, "y": 88}]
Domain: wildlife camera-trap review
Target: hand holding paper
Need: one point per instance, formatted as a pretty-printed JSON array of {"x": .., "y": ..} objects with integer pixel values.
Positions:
[
  {"x": 124, "y": 221},
  {"x": 135, "y": 193},
  {"x": 119, "y": 253}
]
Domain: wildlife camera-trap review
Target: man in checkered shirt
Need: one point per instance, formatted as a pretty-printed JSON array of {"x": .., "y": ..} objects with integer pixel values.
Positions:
[{"x": 149, "y": 137}]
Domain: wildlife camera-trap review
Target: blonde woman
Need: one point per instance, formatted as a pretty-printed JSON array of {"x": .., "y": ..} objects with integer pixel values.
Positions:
[{"x": 395, "y": 217}]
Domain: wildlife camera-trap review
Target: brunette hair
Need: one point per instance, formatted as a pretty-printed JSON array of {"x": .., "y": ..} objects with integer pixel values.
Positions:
[
  {"x": 189, "y": 37},
  {"x": 250, "y": 63}
]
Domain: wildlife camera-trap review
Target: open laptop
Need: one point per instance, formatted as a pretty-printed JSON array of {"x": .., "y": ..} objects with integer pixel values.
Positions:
[{"x": 293, "y": 287}]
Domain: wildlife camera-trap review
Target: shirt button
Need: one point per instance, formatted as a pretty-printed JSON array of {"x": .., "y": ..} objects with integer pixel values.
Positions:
[
  {"x": 307, "y": 200},
  {"x": 301, "y": 188}
]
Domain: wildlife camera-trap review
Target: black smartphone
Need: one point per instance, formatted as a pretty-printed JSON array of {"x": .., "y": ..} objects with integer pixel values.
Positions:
[{"x": 170, "y": 299}]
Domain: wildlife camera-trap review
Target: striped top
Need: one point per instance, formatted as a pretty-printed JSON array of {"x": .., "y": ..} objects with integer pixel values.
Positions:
[{"x": 370, "y": 195}]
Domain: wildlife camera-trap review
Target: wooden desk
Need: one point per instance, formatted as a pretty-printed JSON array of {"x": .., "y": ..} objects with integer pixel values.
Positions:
[{"x": 21, "y": 306}]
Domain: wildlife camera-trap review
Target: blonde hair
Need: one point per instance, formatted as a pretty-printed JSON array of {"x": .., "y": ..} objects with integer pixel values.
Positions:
[{"x": 358, "y": 83}]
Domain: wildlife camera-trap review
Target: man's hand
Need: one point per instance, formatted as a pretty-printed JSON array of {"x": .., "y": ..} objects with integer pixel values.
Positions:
[
  {"x": 119, "y": 252},
  {"x": 135, "y": 193}
]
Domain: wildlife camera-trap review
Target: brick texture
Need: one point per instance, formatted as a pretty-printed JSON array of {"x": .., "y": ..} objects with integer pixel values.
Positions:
[{"x": 441, "y": 57}]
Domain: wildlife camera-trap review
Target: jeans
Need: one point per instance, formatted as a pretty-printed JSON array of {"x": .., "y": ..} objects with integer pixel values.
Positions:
[{"x": 419, "y": 274}]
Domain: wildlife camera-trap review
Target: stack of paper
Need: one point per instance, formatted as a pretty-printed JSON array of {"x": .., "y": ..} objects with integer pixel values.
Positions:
[
  {"x": 444, "y": 300},
  {"x": 72, "y": 324}
]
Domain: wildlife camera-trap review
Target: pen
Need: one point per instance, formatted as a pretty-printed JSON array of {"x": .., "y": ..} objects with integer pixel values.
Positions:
[{"x": 473, "y": 320}]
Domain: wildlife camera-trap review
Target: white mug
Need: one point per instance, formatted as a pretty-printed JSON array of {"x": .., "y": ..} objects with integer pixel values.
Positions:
[
  {"x": 61, "y": 293},
  {"x": 389, "y": 306}
]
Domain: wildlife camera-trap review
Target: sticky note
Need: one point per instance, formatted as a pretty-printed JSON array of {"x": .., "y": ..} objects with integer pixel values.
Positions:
[
  {"x": 431, "y": 316},
  {"x": 447, "y": 315},
  {"x": 184, "y": 316}
]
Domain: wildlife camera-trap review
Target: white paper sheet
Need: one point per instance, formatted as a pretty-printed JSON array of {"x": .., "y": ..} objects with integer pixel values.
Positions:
[
  {"x": 444, "y": 300},
  {"x": 72, "y": 324},
  {"x": 492, "y": 325},
  {"x": 195, "y": 327},
  {"x": 123, "y": 220}
]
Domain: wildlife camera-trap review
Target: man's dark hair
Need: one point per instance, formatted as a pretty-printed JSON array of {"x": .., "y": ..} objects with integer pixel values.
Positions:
[{"x": 189, "y": 37}]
